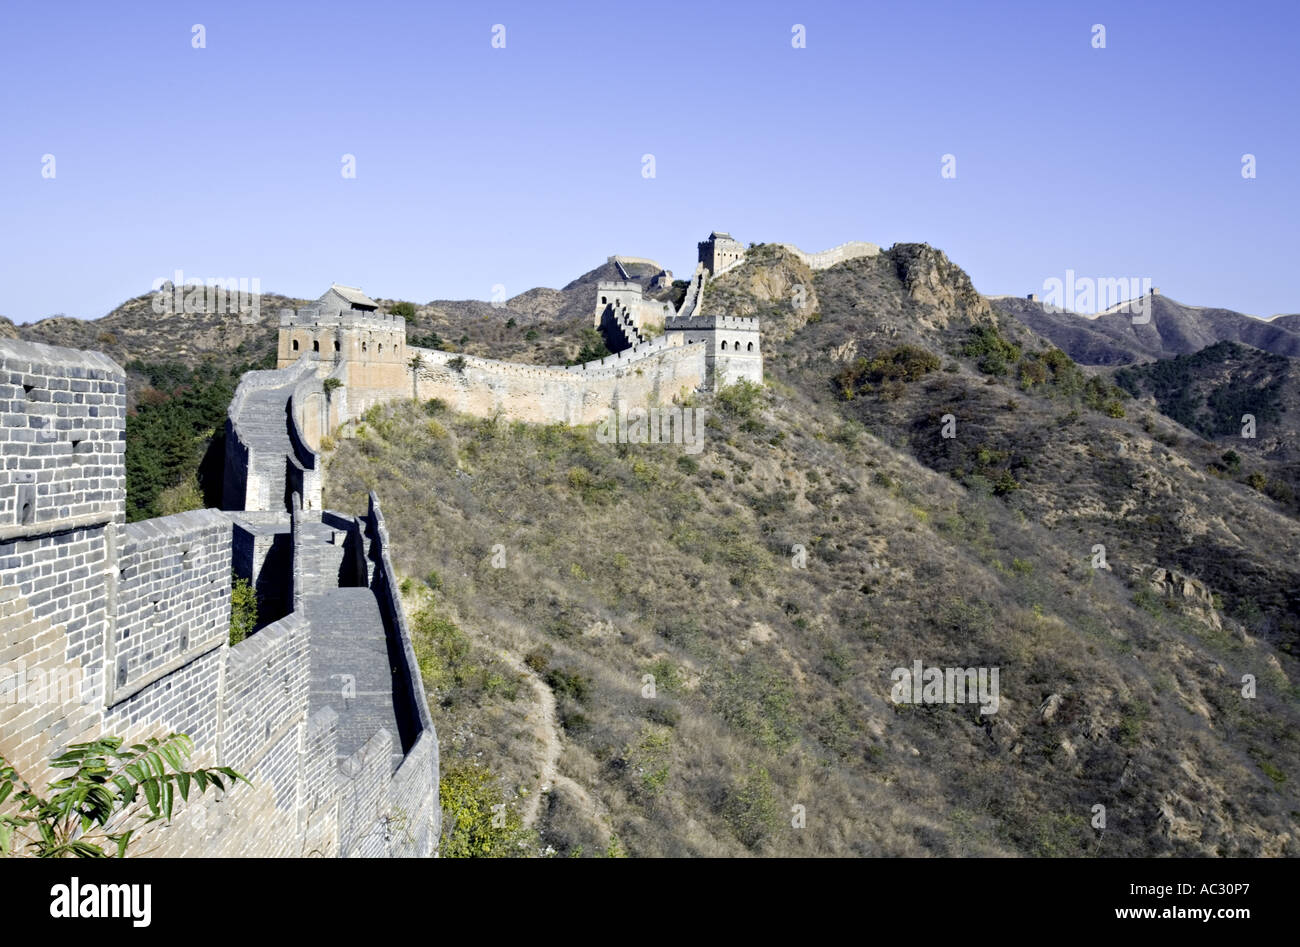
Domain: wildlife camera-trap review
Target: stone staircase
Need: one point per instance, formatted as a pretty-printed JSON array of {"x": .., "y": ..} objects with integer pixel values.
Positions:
[
  {"x": 264, "y": 425},
  {"x": 694, "y": 297},
  {"x": 321, "y": 556}
]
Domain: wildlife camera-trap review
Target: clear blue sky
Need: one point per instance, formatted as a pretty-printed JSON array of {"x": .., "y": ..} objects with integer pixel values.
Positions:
[{"x": 522, "y": 166}]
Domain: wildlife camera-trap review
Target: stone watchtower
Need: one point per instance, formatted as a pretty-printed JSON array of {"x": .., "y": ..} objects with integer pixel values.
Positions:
[
  {"x": 731, "y": 346},
  {"x": 345, "y": 326},
  {"x": 720, "y": 252}
]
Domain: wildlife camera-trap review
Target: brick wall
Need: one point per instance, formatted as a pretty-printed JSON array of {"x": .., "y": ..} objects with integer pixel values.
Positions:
[{"x": 173, "y": 596}]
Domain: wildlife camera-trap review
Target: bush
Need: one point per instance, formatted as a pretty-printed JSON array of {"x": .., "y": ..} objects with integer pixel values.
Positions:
[
  {"x": 751, "y": 808},
  {"x": 243, "y": 609},
  {"x": 430, "y": 340},
  {"x": 889, "y": 370},
  {"x": 568, "y": 684},
  {"x": 593, "y": 348},
  {"x": 993, "y": 351},
  {"x": 404, "y": 309},
  {"x": 477, "y": 821},
  {"x": 441, "y": 650},
  {"x": 740, "y": 400}
]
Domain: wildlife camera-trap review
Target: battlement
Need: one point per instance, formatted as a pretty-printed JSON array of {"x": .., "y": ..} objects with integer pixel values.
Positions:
[
  {"x": 61, "y": 416},
  {"x": 313, "y": 317},
  {"x": 615, "y": 286},
  {"x": 716, "y": 321}
]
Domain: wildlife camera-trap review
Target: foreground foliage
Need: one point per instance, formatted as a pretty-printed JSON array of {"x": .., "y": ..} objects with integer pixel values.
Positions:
[{"x": 87, "y": 813}]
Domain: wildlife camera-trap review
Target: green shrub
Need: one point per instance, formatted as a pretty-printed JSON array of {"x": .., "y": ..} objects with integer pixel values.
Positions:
[
  {"x": 441, "y": 649},
  {"x": 243, "y": 609},
  {"x": 752, "y": 809},
  {"x": 993, "y": 351},
  {"x": 592, "y": 348},
  {"x": 740, "y": 400},
  {"x": 890, "y": 370},
  {"x": 477, "y": 821},
  {"x": 568, "y": 684}
]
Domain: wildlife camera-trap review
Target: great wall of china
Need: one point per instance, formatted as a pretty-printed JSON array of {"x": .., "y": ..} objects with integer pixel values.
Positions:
[{"x": 322, "y": 707}]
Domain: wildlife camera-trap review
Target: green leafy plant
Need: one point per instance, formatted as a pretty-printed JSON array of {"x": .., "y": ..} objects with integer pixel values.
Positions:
[
  {"x": 87, "y": 813},
  {"x": 243, "y": 609},
  {"x": 477, "y": 822},
  {"x": 741, "y": 400}
]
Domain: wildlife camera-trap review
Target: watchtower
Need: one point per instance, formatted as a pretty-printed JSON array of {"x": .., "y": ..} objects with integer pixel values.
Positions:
[
  {"x": 720, "y": 252},
  {"x": 346, "y": 325},
  {"x": 732, "y": 348}
]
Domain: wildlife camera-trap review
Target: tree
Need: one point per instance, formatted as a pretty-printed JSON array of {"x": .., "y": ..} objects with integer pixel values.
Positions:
[
  {"x": 416, "y": 363},
  {"x": 110, "y": 789}
]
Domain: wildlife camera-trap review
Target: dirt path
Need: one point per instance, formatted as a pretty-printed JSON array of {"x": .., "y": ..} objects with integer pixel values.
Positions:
[{"x": 548, "y": 732}]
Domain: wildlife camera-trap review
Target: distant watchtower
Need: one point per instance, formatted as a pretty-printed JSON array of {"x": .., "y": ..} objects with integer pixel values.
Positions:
[
  {"x": 345, "y": 325},
  {"x": 720, "y": 252}
]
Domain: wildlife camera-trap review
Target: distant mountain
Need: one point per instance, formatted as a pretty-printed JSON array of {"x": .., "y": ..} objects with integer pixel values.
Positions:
[
  {"x": 1174, "y": 329},
  {"x": 135, "y": 330}
]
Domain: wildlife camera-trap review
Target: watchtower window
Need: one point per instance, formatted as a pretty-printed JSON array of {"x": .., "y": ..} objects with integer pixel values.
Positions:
[
  {"x": 380, "y": 350},
  {"x": 315, "y": 345},
  {"x": 604, "y": 300},
  {"x": 295, "y": 345},
  {"x": 724, "y": 345},
  {"x": 363, "y": 346},
  {"x": 336, "y": 345},
  {"x": 749, "y": 347}
]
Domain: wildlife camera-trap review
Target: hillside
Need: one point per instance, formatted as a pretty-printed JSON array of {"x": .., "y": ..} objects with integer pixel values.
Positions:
[
  {"x": 827, "y": 534},
  {"x": 540, "y": 327},
  {"x": 135, "y": 332},
  {"x": 1174, "y": 329},
  {"x": 1210, "y": 391}
]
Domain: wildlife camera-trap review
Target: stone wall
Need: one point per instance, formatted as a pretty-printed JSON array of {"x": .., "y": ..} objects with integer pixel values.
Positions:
[
  {"x": 413, "y": 801},
  {"x": 115, "y": 629},
  {"x": 61, "y": 414},
  {"x": 263, "y": 442},
  {"x": 261, "y": 553},
  {"x": 173, "y": 597},
  {"x": 732, "y": 346},
  {"x": 658, "y": 371},
  {"x": 828, "y": 258}
]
